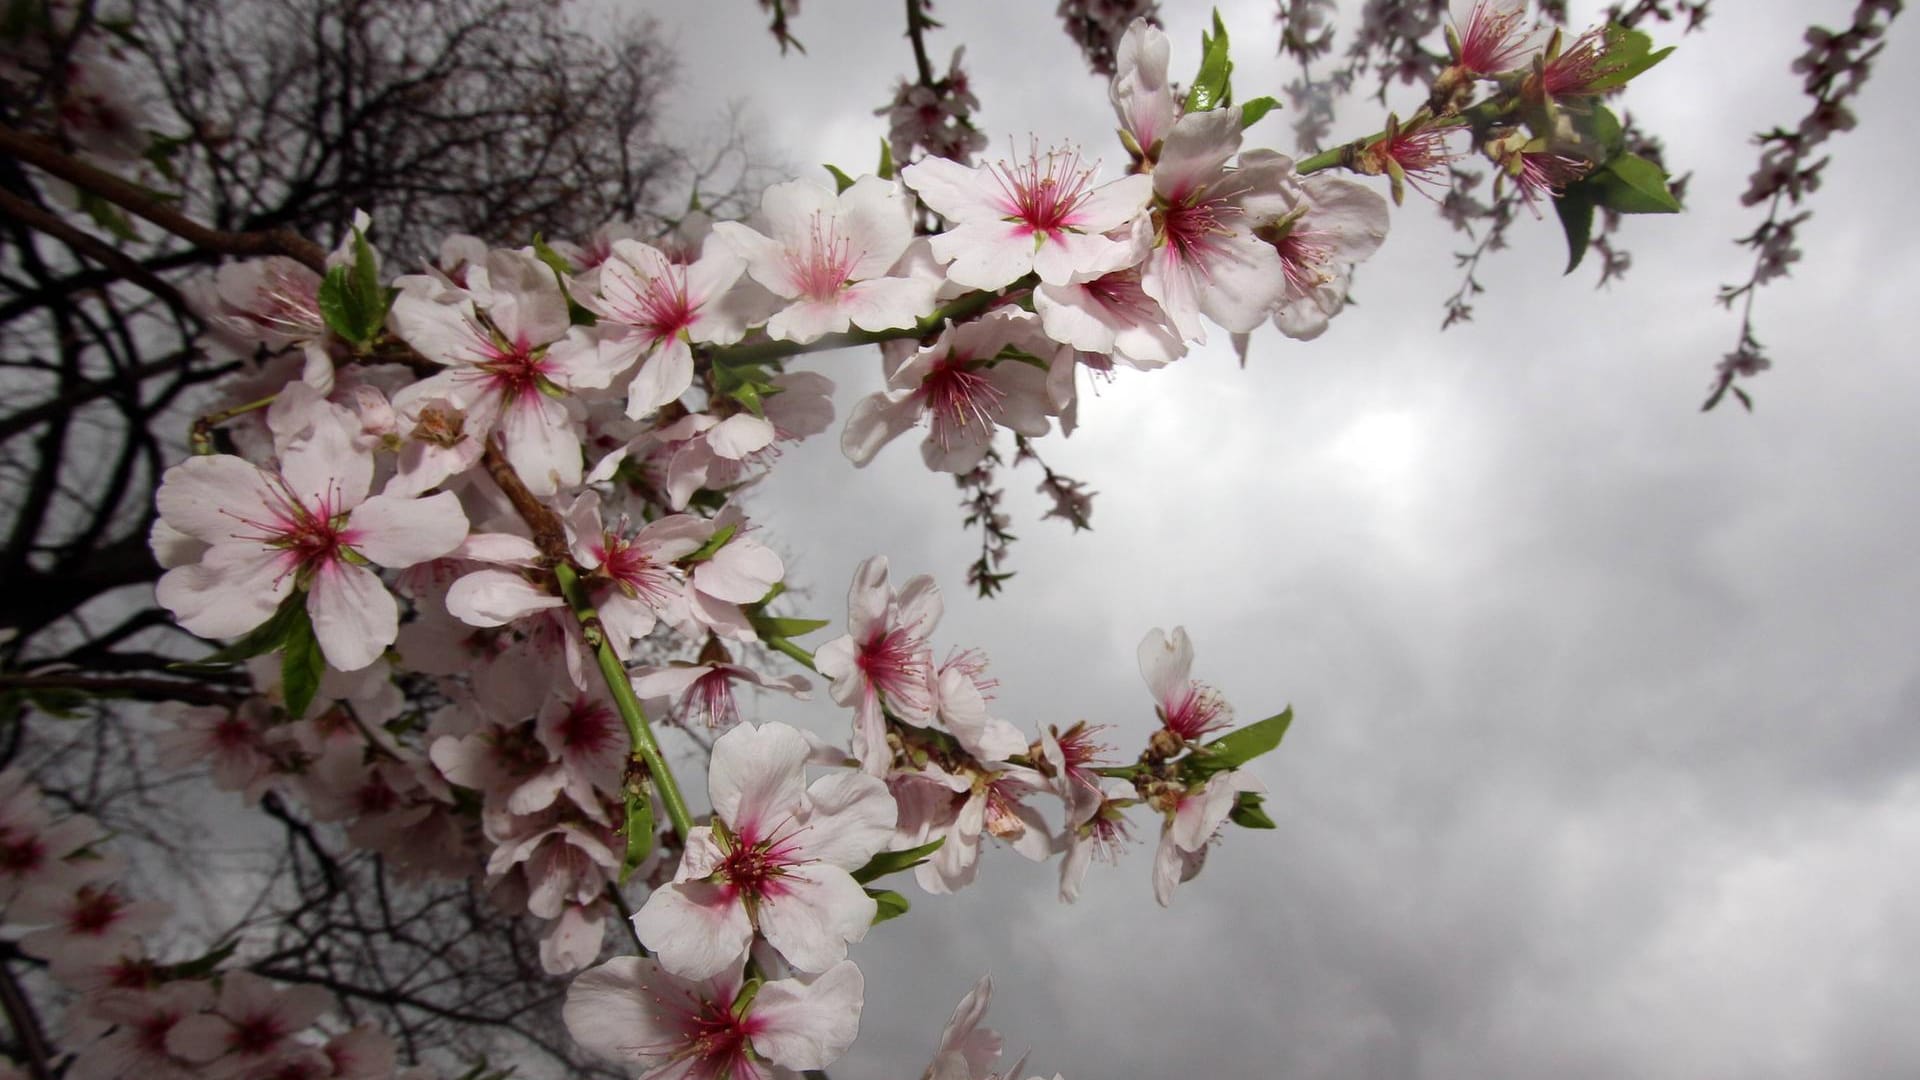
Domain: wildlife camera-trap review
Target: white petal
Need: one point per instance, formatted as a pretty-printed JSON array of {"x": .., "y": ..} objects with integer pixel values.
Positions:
[
  {"x": 852, "y": 815},
  {"x": 819, "y": 911},
  {"x": 354, "y": 616},
  {"x": 808, "y": 1024},
  {"x": 400, "y": 532},
  {"x": 496, "y": 598},
  {"x": 695, "y": 930},
  {"x": 758, "y": 777}
]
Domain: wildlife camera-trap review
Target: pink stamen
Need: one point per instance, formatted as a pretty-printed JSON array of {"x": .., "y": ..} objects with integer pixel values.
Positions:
[
  {"x": 1492, "y": 41},
  {"x": 661, "y": 308},
  {"x": 820, "y": 269},
  {"x": 896, "y": 665},
  {"x": 960, "y": 399},
  {"x": 1043, "y": 194}
]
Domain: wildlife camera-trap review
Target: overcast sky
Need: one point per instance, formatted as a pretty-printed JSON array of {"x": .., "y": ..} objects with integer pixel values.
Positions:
[{"x": 1607, "y": 752}]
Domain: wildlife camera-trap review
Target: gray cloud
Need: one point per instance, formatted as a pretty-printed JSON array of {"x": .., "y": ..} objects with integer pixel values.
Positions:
[{"x": 1609, "y": 723}]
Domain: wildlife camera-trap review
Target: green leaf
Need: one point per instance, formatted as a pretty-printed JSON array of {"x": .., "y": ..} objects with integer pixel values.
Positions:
[
  {"x": 885, "y": 171},
  {"x": 772, "y": 626},
  {"x": 748, "y": 394},
  {"x": 366, "y": 284},
  {"x": 1627, "y": 54},
  {"x": 301, "y": 665},
  {"x": 1237, "y": 747},
  {"x": 545, "y": 253},
  {"x": 200, "y": 966},
  {"x": 336, "y": 304},
  {"x": 263, "y": 639},
  {"x": 108, "y": 216},
  {"x": 841, "y": 181},
  {"x": 1598, "y": 129},
  {"x": 1633, "y": 185},
  {"x": 1211, "y": 88},
  {"x": 1575, "y": 207},
  {"x": 352, "y": 301},
  {"x": 1251, "y": 112},
  {"x": 1248, "y": 813},
  {"x": 639, "y": 828},
  {"x": 889, "y": 862},
  {"x": 891, "y": 905},
  {"x": 577, "y": 314},
  {"x": 713, "y": 545}
]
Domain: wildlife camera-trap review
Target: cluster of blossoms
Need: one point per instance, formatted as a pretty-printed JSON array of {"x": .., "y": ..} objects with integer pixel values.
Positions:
[
  {"x": 1097, "y": 26},
  {"x": 488, "y": 517},
  {"x": 934, "y": 115},
  {"x": 130, "y": 1013}
]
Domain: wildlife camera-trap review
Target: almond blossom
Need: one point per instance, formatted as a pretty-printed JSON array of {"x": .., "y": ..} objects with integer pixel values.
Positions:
[
  {"x": 142, "y": 1020},
  {"x": 883, "y": 663},
  {"x": 830, "y": 256},
  {"x": 252, "y": 1025},
  {"x": 777, "y": 859},
  {"x": 275, "y": 302},
  {"x": 510, "y": 361},
  {"x": 1187, "y": 708},
  {"x": 306, "y": 525},
  {"x": 1110, "y": 316},
  {"x": 1206, "y": 259},
  {"x": 634, "y": 1012},
  {"x": 652, "y": 308},
  {"x": 964, "y": 388},
  {"x": 1332, "y": 226},
  {"x": 1492, "y": 36},
  {"x": 1140, "y": 92},
  {"x": 1041, "y": 216},
  {"x": 705, "y": 690},
  {"x": 1190, "y": 827}
]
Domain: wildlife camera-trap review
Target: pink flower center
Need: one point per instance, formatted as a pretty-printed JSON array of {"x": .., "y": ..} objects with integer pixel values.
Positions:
[
  {"x": 150, "y": 1034},
  {"x": 660, "y": 309},
  {"x": 961, "y": 402},
  {"x": 1080, "y": 747},
  {"x": 94, "y": 912},
  {"x": 897, "y": 665},
  {"x": 820, "y": 267},
  {"x": 1002, "y": 809},
  {"x": 587, "y": 727},
  {"x": 1193, "y": 228},
  {"x": 635, "y": 571},
  {"x": 710, "y": 698},
  {"x": 288, "y": 303},
  {"x": 256, "y": 1034},
  {"x": 1571, "y": 72},
  {"x": 375, "y": 797},
  {"x": 23, "y": 857},
  {"x": 1043, "y": 193},
  {"x": 1195, "y": 711},
  {"x": 1108, "y": 834},
  {"x": 513, "y": 369},
  {"x": 1544, "y": 175},
  {"x": 714, "y": 1042},
  {"x": 1492, "y": 41},
  {"x": 1304, "y": 256},
  {"x": 754, "y": 867},
  {"x": 313, "y": 537},
  {"x": 1122, "y": 295}
]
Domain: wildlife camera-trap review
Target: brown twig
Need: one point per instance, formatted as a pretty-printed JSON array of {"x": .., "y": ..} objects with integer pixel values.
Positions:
[
  {"x": 137, "y": 200},
  {"x": 548, "y": 534},
  {"x": 132, "y": 686}
]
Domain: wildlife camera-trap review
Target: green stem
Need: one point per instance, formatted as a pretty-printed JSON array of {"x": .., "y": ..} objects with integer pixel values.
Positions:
[
  {"x": 964, "y": 308},
  {"x": 200, "y": 438},
  {"x": 782, "y": 645},
  {"x": 615, "y": 673}
]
